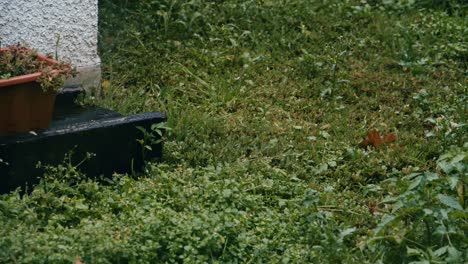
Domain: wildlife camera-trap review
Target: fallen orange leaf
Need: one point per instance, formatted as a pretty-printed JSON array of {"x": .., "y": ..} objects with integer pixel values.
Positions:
[
  {"x": 105, "y": 84},
  {"x": 78, "y": 260},
  {"x": 373, "y": 138},
  {"x": 389, "y": 138}
]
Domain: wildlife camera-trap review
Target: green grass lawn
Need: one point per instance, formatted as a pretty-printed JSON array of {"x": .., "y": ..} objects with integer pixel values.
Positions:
[{"x": 267, "y": 102}]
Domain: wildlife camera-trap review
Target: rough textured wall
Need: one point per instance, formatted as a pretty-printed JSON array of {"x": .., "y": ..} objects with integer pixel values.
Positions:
[{"x": 40, "y": 22}]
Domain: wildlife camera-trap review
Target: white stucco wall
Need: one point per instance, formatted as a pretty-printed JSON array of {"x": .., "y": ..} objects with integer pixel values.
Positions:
[{"x": 40, "y": 22}]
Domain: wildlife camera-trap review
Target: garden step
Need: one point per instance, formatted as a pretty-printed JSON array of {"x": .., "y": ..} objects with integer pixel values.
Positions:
[{"x": 112, "y": 137}]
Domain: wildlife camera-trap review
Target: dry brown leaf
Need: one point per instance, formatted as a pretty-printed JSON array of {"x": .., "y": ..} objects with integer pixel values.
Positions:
[
  {"x": 105, "y": 84},
  {"x": 389, "y": 138},
  {"x": 375, "y": 139},
  {"x": 78, "y": 260}
]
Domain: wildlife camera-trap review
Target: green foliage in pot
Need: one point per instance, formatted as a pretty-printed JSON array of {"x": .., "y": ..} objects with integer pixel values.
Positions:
[{"x": 17, "y": 60}]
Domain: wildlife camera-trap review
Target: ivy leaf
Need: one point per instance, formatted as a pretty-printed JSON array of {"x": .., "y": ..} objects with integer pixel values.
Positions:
[
  {"x": 227, "y": 193},
  {"x": 453, "y": 181},
  {"x": 431, "y": 176},
  {"x": 454, "y": 255},
  {"x": 386, "y": 220},
  {"x": 324, "y": 134},
  {"x": 415, "y": 183},
  {"x": 445, "y": 166},
  {"x": 449, "y": 201},
  {"x": 347, "y": 232},
  {"x": 439, "y": 252},
  {"x": 413, "y": 251},
  {"x": 397, "y": 206}
]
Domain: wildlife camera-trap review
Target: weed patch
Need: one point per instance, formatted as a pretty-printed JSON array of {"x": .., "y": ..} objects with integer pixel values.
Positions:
[{"x": 267, "y": 102}]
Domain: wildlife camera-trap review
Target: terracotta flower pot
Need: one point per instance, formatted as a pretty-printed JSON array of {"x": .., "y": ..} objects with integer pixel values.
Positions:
[{"x": 23, "y": 104}]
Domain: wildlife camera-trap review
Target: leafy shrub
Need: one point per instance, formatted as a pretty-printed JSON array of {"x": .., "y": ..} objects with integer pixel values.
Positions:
[{"x": 426, "y": 222}]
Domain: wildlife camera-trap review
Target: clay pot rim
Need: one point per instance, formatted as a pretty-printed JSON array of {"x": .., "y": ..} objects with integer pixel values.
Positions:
[{"x": 28, "y": 77}]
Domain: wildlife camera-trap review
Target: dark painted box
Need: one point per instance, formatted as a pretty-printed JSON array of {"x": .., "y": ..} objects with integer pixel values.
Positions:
[{"x": 111, "y": 136}]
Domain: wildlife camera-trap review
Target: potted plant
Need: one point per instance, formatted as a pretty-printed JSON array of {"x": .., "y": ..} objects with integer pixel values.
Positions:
[{"x": 29, "y": 82}]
